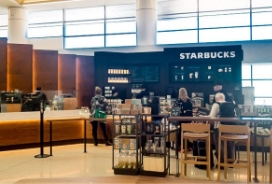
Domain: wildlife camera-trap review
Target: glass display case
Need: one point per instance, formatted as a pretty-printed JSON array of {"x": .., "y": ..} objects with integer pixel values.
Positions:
[
  {"x": 11, "y": 101},
  {"x": 126, "y": 144},
  {"x": 166, "y": 104},
  {"x": 155, "y": 154}
]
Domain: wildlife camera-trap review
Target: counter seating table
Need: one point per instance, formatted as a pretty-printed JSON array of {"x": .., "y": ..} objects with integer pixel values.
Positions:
[{"x": 254, "y": 121}]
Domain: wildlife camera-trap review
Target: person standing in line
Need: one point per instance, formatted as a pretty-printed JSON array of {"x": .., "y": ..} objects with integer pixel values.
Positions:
[
  {"x": 99, "y": 102},
  {"x": 186, "y": 109}
]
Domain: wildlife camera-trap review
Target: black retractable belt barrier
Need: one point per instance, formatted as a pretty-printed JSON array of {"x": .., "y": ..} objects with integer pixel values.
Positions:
[{"x": 41, "y": 155}]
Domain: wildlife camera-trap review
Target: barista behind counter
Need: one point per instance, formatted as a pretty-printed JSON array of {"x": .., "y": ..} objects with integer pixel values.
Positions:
[
  {"x": 31, "y": 101},
  {"x": 144, "y": 93}
]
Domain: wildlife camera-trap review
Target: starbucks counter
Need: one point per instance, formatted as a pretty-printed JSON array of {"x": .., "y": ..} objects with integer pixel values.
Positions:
[{"x": 22, "y": 129}]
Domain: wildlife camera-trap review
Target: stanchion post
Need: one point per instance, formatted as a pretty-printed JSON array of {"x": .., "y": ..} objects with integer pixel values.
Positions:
[{"x": 41, "y": 155}]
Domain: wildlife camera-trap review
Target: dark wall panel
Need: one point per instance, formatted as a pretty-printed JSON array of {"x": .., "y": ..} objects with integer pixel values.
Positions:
[
  {"x": 164, "y": 60},
  {"x": 85, "y": 83},
  {"x": 67, "y": 73},
  {"x": 19, "y": 67},
  {"x": 3, "y": 64}
]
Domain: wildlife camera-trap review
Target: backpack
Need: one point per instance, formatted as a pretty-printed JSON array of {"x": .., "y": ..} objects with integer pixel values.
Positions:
[{"x": 227, "y": 110}]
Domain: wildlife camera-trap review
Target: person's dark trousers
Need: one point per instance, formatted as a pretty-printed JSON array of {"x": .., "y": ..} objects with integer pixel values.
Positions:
[
  {"x": 230, "y": 147},
  {"x": 104, "y": 130}
]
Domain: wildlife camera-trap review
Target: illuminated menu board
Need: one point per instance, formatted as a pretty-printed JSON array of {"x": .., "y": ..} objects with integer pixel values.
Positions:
[
  {"x": 187, "y": 73},
  {"x": 145, "y": 74}
]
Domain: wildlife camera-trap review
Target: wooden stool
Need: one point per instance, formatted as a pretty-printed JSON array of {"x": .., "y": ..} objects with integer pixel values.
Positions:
[
  {"x": 242, "y": 134},
  {"x": 195, "y": 132},
  {"x": 270, "y": 167}
]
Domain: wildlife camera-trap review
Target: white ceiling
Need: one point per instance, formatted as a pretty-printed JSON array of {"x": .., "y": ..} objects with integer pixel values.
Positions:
[{"x": 4, "y": 4}]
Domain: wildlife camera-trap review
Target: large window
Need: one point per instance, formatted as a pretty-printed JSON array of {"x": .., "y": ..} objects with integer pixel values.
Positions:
[
  {"x": 4, "y": 25},
  {"x": 121, "y": 40},
  {"x": 262, "y": 88},
  {"x": 261, "y": 3},
  {"x": 177, "y": 22},
  {"x": 120, "y": 11},
  {"x": 215, "y": 5},
  {"x": 84, "y": 28},
  {"x": 107, "y": 26},
  {"x": 79, "y": 14},
  {"x": 177, "y": 37},
  {"x": 46, "y": 30},
  {"x": 121, "y": 26},
  {"x": 224, "y": 19},
  {"x": 45, "y": 24},
  {"x": 229, "y": 20},
  {"x": 261, "y": 80},
  {"x": 224, "y": 34},
  {"x": 166, "y": 7},
  {"x": 215, "y": 20},
  {"x": 84, "y": 42},
  {"x": 261, "y": 24},
  {"x": 262, "y": 71}
]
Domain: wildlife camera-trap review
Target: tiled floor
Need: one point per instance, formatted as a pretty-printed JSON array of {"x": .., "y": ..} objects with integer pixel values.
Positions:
[{"x": 71, "y": 162}]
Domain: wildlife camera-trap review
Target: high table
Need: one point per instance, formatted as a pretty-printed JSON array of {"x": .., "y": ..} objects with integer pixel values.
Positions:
[{"x": 255, "y": 122}]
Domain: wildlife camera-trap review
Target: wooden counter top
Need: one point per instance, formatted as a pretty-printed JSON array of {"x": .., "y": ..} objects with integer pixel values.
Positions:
[{"x": 23, "y": 128}]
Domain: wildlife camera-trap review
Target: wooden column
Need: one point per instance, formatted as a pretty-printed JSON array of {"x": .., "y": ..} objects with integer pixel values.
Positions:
[
  {"x": 3, "y": 64},
  {"x": 19, "y": 67},
  {"x": 84, "y": 80},
  {"x": 45, "y": 71},
  {"x": 67, "y": 73}
]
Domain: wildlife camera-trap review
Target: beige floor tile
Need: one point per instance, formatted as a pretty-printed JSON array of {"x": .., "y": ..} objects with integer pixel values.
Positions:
[{"x": 71, "y": 162}]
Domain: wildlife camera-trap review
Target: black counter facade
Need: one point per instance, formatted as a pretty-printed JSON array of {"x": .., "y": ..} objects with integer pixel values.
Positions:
[{"x": 202, "y": 66}]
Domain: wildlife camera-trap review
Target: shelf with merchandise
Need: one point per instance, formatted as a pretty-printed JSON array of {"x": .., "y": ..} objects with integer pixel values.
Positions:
[
  {"x": 126, "y": 144},
  {"x": 123, "y": 71},
  {"x": 155, "y": 155}
]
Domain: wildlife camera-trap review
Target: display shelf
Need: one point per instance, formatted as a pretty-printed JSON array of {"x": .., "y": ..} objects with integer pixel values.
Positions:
[
  {"x": 126, "y": 146},
  {"x": 153, "y": 135},
  {"x": 155, "y": 163},
  {"x": 154, "y": 173},
  {"x": 118, "y": 75},
  {"x": 153, "y": 153},
  {"x": 126, "y": 171}
]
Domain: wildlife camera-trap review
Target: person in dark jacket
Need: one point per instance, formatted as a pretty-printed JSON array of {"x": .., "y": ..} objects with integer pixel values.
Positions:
[
  {"x": 99, "y": 102},
  {"x": 186, "y": 109},
  {"x": 143, "y": 93},
  {"x": 37, "y": 97},
  {"x": 218, "y": 88}
]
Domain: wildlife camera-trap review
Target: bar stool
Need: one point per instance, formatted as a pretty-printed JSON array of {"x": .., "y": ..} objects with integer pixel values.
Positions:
[
  {"x": 242, "y": 134},
  {"x": 195, "y": 132},
  {"x": 270, "y": 167},
  {"x": 263, "y": 134}
]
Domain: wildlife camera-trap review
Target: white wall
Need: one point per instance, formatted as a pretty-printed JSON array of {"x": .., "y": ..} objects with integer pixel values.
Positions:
[{"x": 254, "y": 52}]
